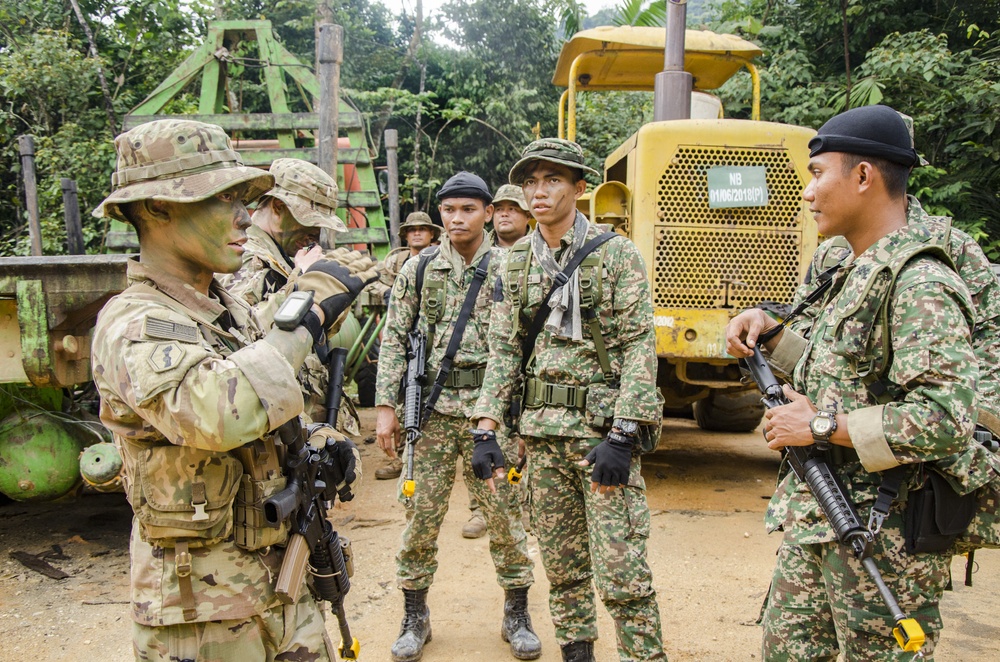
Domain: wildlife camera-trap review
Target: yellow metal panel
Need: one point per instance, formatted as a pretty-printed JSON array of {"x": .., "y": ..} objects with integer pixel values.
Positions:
[
  {"x": 628, "y": 58},
  {"x": 692, "y": 334}
]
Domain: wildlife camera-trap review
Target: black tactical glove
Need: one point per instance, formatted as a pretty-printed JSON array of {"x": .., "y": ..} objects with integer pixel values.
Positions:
[
  {"x": 337, "y": 280},
  {"x": 343, "y": 467},
  {"x": 611, "y": 460},
  {"x": 486, "y": 453}
]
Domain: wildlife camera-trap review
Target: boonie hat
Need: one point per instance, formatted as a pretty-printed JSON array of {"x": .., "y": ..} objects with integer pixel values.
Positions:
[
  {"x": 308, "y": 191},
  {"x": 419, "y": 219},
  {"x": 554, "y": 150},
  {"x": 876, "y": 131},
  {"x": 513, "y": 194},
  {"x": 177, "y": 161}
]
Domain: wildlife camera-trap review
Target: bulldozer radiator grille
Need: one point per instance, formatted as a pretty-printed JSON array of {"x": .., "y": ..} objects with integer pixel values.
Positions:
[{"x": 710, "y": 258}]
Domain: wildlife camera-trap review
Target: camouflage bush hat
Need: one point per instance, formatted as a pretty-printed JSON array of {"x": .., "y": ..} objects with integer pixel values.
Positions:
[
  {"x": 555, "y": 150},
  {"x": 513, "y": 194},
  {"x": 876, "y": 131},
  {"x": 179, "y": 161},
  {"x": 308, "y": 191},
  {"x": 419, "y": 219}
]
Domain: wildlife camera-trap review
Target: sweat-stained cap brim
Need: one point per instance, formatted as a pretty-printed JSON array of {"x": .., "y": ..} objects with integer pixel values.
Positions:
[
  {"x": 521, "y": 169},
  {"x": 197, "y": 177}
]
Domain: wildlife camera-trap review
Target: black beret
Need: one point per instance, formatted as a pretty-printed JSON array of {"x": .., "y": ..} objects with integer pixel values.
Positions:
[
  {"x": 876, "y": 131},
  {"x": 466, "y": 185}
]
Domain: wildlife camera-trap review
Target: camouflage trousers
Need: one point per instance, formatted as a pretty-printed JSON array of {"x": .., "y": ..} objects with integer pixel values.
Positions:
[
  {"x": 286, "y": 633},
  {"x": 583, "y": 535},
  {"x": 446, "y": 439},
  {"x": 822, "y": 602}
]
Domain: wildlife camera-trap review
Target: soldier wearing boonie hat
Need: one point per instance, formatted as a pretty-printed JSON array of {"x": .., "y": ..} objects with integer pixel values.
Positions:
[
  {"x": 281, "y": 245},
  {"x": 419, "y": 232},
  {"x": 510, "y": 216},
  {"x": 192, "y": 390},
  {"x": 572, "y": 448}
]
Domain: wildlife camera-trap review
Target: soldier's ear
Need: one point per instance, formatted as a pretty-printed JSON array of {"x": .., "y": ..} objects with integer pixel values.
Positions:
[{"x": 155, "y": 211}]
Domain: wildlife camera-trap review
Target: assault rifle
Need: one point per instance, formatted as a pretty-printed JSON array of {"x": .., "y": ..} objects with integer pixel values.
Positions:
[
  {"x": 810, "y": 466},
  {"x": 315, "y": 479},
  {"x": 416, "y": 374}
]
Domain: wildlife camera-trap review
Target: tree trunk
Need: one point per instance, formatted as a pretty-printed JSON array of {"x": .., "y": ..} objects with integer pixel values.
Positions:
[{"x": 108, "y": 106}]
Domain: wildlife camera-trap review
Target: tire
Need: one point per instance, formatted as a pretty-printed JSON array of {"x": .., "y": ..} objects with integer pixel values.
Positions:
[{"x": 733, "y": 411}]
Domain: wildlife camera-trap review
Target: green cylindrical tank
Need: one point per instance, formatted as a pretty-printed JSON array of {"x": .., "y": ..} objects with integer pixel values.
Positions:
[
  {"x": 100, "y": 465},
  {"x": 38, "y": 457}
]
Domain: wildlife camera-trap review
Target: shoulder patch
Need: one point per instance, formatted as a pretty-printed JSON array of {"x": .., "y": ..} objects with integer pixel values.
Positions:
[
  {"x": 164, "y": 356},
  {"x": 399, "y": 288},
  {"x": 167, "y": 330}
]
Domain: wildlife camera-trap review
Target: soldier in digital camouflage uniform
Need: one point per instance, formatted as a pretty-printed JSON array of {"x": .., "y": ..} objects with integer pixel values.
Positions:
[
  {"x": 465, "y": 203},
  {"x": 510, "y": 216},
  {"x": 587, "y": 529},
  {"x": 281, "y": 244},
  {"x": 822, "y": 603},
  {"x": 191, "y": 388},
  {"x": 419, "y": 232}
]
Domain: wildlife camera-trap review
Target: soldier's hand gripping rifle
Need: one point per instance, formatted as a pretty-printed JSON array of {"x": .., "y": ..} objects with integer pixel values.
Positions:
[
  {"x": 316, "y": 477},
  {"x": 416, "y": 374},
  {"x": 811, "y": 467}
]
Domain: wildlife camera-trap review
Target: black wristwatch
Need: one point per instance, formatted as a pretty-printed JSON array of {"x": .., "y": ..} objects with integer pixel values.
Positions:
[
  {"x": 822, "y": 426},
  {"x": 626, "y": 426}
]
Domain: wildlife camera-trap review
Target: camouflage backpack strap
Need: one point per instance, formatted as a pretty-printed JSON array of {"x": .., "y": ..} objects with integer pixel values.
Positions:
[
  {"x": 591, "y": 289},
  {"x": 430, "y": 292},
  {"x": 837, "y": 249},
  {"x": 518, "y": 259}
]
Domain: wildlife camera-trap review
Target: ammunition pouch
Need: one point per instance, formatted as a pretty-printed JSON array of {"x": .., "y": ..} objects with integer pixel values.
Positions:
[
  {"x": 250, "y": 530},
  {"x": 936, "y": 515},
  {"x": 600, "y": 410},
  {"x": 185, "y": 494},
  {"x": 262, "y": 478}
]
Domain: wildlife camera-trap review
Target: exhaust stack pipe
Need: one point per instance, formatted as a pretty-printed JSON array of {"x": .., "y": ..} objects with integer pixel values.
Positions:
[{"x": 672, "y": 86}]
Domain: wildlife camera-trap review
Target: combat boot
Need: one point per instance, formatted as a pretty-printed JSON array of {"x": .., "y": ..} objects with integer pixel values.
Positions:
[
  {"x": 578, "y": 651},
  {"x": 390, "y": 471},
  {"x": 416, "y": 628},
  {"x": 516, "y": 628},
  {"x": 475, "y": 527}
]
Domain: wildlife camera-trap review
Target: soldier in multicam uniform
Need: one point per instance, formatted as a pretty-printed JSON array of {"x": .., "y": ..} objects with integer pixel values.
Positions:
[
  {"x": 465, "y": 206},
  {"x": 281, "y": 244},
  {"x": 822, "y": 603},
  {"x": 191, "y": 388},
  {"x": 586, "y": 528},
  {"x": 419, "y": 232}
]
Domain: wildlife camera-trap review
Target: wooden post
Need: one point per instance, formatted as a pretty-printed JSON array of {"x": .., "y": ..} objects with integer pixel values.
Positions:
[
  {"x": 330, "y": 53},
  {"x": 71, "y": 212},
  {"x": 391, "y": 145},
  {"x": 27, "y": 147}
]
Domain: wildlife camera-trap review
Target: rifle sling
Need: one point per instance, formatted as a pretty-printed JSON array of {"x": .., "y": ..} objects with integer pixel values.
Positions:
[
  {"x": 561, "y": 278},
  {"x": 456, "y": 335}
]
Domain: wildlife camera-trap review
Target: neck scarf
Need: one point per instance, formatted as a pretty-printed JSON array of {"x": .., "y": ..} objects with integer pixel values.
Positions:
[{"x": 564, "y": 321}]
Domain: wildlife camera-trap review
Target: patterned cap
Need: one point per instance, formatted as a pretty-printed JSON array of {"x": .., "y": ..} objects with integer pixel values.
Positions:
[
  {"x": 555, "y": 150},
  {"x": 908, "y": 121},
  {"x": 178, "y": 161},
  {"x": 513, "y": 194},
  {"x": 308, "y": 191}
]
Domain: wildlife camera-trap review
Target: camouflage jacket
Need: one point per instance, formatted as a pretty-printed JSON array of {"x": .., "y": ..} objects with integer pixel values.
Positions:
[
  {"x": 974, "y": 269},
  {"x": 393, "y": 263},
  {"x": 472, "y": 353},
  {"x": 932, "y": 413},
  {"x": 264, "y": 282},
  {"x": 179, "y": 375},
  {"x": 626, "y": 320}
]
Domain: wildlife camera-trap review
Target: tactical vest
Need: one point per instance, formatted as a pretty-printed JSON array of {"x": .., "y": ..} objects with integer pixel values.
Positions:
[{"x": 188, "y": 497}]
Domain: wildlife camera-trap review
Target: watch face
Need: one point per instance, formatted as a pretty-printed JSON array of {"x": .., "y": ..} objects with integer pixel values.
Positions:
[
  {"x": 628, "y": 427},
  {"x": 821, "y": 425}
]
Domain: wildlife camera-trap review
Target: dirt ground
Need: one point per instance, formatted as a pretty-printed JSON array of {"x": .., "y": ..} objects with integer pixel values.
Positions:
[{"x": 710, "y": 555}]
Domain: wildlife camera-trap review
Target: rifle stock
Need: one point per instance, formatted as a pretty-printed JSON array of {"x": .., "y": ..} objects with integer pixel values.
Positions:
[{"x": 810, "y": 466}]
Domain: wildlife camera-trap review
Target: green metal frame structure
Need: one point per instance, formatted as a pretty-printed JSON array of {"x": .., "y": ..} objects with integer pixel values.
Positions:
[{"x": 209, "y": 61}]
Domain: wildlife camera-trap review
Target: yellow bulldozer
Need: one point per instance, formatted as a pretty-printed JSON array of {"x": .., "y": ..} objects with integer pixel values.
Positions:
[{"x": 713, "y": 204}]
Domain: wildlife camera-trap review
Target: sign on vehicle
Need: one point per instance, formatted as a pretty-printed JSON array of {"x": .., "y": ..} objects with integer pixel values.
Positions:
[{"x": 733, "y": 186}]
